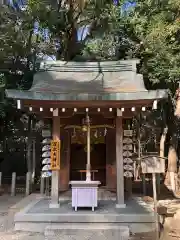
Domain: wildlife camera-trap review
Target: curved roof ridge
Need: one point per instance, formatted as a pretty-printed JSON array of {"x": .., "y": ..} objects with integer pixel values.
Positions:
[{"x": 104, "y": 66}]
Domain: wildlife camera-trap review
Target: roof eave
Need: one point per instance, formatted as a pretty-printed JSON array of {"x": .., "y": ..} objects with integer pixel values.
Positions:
[{"x": 111, "y": 96}]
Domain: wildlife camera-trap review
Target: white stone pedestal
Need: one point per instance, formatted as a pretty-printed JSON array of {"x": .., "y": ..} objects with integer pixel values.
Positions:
[{"x": 84, "y": 194}]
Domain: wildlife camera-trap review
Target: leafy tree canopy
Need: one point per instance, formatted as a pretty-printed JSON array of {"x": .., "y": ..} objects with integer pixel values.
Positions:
[{"x": 155, "y": 26}]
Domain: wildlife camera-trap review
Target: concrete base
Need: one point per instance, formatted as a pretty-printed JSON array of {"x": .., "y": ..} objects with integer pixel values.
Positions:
[
  {"x": 120, "y": 205},
  {"x": 37, "y": 216},
  {"x": 40, "y": 227},
  {"x": 84, "y": 231}
]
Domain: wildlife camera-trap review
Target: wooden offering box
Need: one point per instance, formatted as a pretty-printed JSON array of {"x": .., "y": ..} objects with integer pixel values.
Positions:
[{"x": 84, "y": 194}]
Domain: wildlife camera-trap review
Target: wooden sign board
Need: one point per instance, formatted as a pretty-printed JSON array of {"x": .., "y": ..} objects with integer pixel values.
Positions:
[
  {"x": 153, "y": 164},
  {"x": 55, "y": 155}
]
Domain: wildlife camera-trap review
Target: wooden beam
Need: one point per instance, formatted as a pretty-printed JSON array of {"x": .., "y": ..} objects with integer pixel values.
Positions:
[
  {"x": 93, "y": 112},
  {"x": 84, "y": 104},
  {"x": 95, "y": 121}
]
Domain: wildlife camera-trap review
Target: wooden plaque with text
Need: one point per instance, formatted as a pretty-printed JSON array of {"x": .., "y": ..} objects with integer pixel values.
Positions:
[
  {"x": 153, "y": 164},
  {"x": 55, "y": 155}
]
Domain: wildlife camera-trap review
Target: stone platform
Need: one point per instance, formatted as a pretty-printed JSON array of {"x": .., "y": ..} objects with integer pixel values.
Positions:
[{"x": 107, "y": 221}]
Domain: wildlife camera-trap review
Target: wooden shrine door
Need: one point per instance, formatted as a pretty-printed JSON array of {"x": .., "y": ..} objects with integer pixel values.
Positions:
[{"x": 98, "y": 162}]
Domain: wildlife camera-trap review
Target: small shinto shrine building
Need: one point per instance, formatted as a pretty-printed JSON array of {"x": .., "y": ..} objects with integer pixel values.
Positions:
[{"x": 107, "y": 95}]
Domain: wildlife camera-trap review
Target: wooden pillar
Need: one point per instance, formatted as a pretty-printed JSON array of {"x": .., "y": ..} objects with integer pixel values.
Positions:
[
  {"x": 119, "y": 160},
  {"x": 111, "y": 177},
  {"x": 13, "y": 185},
  {"x": 55, "y": 174},
  {"x": 65, "y": 160}
]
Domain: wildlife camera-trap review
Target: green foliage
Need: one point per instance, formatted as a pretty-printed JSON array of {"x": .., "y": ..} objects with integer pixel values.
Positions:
[
  {"x": 156, "y": 28},
  {"x": 21, "y": 47}
]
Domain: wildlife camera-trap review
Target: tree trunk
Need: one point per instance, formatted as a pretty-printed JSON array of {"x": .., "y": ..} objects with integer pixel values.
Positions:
[
  {"x": 161, "y": 154},
  {"x": 162, "y": 142},
  {"x": 177, "y": 110},
  {"x": 177, "y": 115},
  {"x": 172, "y": 154},
  {"x": 172, "y": 166}
]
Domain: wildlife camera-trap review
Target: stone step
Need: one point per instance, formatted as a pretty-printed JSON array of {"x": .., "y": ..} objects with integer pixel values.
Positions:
[
  {"x": 86, "y": 232},
  {"x": 143, "y": 236}
]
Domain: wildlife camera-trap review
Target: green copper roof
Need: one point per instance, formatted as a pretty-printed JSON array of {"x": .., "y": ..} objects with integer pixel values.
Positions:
[
  {"x": 123, "y": 96},
  {"x": 87, "y": 81}
]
